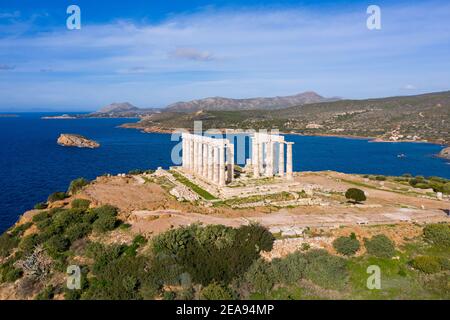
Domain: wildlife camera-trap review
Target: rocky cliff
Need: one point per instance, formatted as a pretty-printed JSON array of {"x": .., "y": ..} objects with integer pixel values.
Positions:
[{"x": 75, "y": 140}]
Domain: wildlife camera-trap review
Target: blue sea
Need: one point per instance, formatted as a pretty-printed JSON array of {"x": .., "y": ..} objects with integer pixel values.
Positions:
[{"x": 33, "y": 165}]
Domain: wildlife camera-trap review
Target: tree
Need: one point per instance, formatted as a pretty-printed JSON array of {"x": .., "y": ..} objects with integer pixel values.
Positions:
[{"x": 357, "y": 195}]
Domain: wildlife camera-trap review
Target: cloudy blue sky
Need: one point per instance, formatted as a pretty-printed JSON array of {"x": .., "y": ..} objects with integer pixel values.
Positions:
[{"x": 153, "y": 53}]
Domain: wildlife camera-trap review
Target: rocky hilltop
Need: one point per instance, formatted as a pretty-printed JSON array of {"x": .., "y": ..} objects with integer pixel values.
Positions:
[
  {"x": 75, "y": 140},
  {"x": 445, "y": 153},
  {"x": 228, "y": 104}
]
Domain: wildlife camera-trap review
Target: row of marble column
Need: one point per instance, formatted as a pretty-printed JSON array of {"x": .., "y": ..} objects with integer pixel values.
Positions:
[
  {"x": 264, "y": 147},
  {"x": 212, "y": 159}
]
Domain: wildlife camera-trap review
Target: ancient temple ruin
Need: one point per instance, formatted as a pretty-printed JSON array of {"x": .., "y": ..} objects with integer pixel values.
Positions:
[
  {"x": 267, "y": 150},
  {"x": 213, "y": 159}
]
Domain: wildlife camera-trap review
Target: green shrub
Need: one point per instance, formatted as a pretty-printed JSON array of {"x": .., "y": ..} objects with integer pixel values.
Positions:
[
  {"x": 28, "y": 243},
  {"x": 357, "y": 195},
  {"x": 260, "y": 276},
  {"x": 117, "y": 276},
  {"x": 290, "y": 269},
  {"x": 20, "y": 229},
  {"x": 81, "y": 204},
  {"x": 215, "y": 291},
  {"x": 41, "y": 206},
  {"x": 224, "y": 253},
  {"x": 426, "y": 264},
  {"x": 380, "y": 178},
  {"x": 46, "y": 294},
  {"x": 7, "y": 244},
  {"x": 57, "y": 196},
  {"x": 438, "y": 234},
  {"x": 41, "y": 216},
  {"x": 78, "y": 231},
  {"x": 380, "y": 246},
  {"x": 56, "y": 244},
  {"x": 347, "y": 246},
  {"x": 106, "y": 218},
  {"x": 104, "y": 224},
  {"x": 9, "y": 273},
  {"x": 326, "y": 270},
  {"x": 77, "y": 184}
]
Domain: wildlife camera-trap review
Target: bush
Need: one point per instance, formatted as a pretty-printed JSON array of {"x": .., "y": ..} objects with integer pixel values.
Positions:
[
  {"x": 81, "y": 204},
  {"x": 8, "y": 273},
  {"x": 290, "y": 269},
  {"x": 224, "y": 253},
  {"x": 347, "y": 246},
  {"x": 46, "y": 294},
  {"x": 216, "y": 291},
  {"x": 326, "y": 270},
  {"x": 56, "y": 244},
  {"x": 57, "y": 196},
  {"x": 78, "y": 231},
  {"x": 426, "y": 264},
  {"x": 28, "y": 243},
  {"x": 380, "y": 246},
  {"x": 380, "y": 178},
  {"x": 260, "y": 276},
  {"x": 357, "y": 195},
  {"x": 438, "y": 234},
  {"x": 7, "y": 244},
  {"x": 106, "y": 218},
  {"x": 40, "y": 206},
  {"x": 77, "y": 184}
]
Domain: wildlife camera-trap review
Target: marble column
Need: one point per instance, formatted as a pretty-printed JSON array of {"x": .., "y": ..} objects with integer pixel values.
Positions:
[
  {"x": 281, "y": 159},
  {"x": 191, "y": 154},
  {"x": 230, "y": 162},
  {"x": 269, "y": 159},
  {"x": 194, "y": 142},
  {"x": 222, "y": 165},
  {"x": 216, "y": 164},
  {"x": 256, "y": 159},
  {"x": 289, "y": 173},
  {"x": 261, "y": 157},
  {"x": 210, "y": 162},
  {"x": 205, "y": 160},
  {"x": 199, "y": 157}
]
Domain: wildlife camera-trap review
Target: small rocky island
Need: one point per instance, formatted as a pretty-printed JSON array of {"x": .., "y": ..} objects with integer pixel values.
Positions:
[
  {"x": 445, "y": 153},
  {"x": 76, "y": 140}
]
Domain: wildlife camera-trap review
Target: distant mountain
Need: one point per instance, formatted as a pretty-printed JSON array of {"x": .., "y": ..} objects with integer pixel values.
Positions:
[
  {"x": 228, "y": 104},
  {"x": 118, "y": 107},
  {"x": 408, "y": 118},
  {"x": 121, "y": 110}
]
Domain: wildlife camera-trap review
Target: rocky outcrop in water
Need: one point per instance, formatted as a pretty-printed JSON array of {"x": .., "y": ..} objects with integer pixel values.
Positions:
[
  {"x": 76, "y": 140},
  {"x": 445, "y": 153}
]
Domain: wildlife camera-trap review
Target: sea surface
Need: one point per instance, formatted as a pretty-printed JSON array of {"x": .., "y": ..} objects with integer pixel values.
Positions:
[{"x": 32, "y": 165}]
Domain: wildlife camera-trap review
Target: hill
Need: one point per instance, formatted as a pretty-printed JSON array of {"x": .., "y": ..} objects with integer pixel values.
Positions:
[
  {"x": 227, "y": 104},
  {"x": 423, "y": 117}
]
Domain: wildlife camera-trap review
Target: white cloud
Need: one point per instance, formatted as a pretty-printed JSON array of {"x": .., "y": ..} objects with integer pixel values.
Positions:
[
  {"x": 9, "y": 15},
  {"x": 409, "y": 87},
  {"x": 191, "y": 54}
]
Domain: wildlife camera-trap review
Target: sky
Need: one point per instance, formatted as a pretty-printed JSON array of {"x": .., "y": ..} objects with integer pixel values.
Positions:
[{"x": 154, "y": 53}]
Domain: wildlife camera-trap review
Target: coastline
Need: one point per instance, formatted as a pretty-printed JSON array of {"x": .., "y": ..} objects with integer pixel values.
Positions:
[{"x": 371, "y": 139}]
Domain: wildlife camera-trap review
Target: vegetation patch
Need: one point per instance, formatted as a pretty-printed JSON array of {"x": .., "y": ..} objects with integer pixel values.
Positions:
[{"x": 201, "y": 192}]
